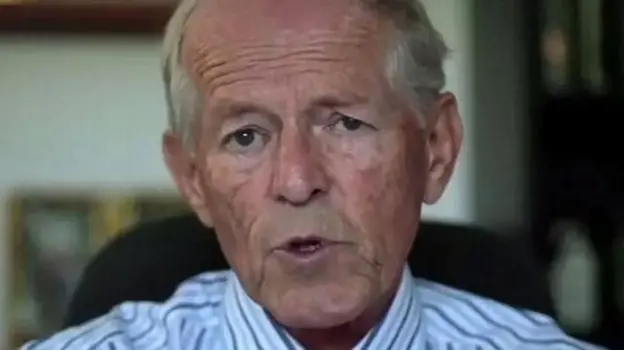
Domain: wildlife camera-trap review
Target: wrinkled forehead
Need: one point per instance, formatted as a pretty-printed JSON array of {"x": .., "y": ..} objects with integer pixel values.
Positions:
[{"x": 218, "y": 26}]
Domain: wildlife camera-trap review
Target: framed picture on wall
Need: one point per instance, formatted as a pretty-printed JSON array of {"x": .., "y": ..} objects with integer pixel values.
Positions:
[
  {"x": 52, "y": 239},
  {"x": 85, "y": 16},
  {"x": 152, "y": 207}
]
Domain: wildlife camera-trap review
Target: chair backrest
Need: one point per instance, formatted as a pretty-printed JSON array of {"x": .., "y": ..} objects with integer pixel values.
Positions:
[{"x": 148, "y": 262}]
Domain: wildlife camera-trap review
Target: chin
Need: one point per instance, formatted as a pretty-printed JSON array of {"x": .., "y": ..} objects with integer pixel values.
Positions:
[{"x": 322, "y": 306}]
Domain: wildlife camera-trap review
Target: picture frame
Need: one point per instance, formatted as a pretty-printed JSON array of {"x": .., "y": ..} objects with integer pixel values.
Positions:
[
  {"x": 157, "y": 206},
  {"x": 51, "y": 240},
  {"x": 85, "y": 16},
  {"x": 53, "y": 236}
]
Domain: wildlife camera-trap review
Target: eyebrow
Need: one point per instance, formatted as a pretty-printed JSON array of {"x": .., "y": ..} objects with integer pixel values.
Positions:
[
  {"x": 333, "y": 101},
  {"x": 227, "y": 108}
]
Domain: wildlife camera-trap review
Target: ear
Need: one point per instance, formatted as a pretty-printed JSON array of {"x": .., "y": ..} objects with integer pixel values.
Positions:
[
  {"x": 183, "y": 168},
  {"x": 444, "y": 133}
]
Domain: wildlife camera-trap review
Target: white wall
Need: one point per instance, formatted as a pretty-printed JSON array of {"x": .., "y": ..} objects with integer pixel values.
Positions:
[
  {"x": 453, "y": 19},
  {"x": 89, "y": 112},
  {"x": 77, "y": 112},
  {"x": 500, "y": 114}
]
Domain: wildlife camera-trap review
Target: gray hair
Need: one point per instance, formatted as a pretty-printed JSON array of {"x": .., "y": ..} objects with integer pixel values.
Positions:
[{"x": 415, "y": 63}]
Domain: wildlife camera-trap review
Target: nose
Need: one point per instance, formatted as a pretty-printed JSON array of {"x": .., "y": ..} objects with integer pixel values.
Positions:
[{"x": 298, "y": 174}]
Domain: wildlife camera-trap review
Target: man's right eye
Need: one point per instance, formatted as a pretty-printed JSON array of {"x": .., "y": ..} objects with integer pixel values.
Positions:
[{"x": 245, "y": 140}]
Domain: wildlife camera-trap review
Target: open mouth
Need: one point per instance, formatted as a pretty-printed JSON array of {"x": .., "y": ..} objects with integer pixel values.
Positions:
[{"x": 305, "y": 246}]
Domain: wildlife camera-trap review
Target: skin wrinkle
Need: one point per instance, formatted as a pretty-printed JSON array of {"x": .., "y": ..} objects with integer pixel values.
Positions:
[
  {"x": 309, "y": 174},
  {"x": 203, "y": 53},
  {"x": 216, "y": 75}
]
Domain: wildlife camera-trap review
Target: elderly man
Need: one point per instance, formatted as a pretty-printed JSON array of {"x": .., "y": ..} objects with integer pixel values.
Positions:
[{"x": 309, "y": 133}]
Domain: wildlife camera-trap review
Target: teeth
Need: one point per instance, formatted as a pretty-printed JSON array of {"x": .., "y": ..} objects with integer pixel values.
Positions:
[
  {"x": 309, "y": 248},
  {"x": 306, "y": 248}
]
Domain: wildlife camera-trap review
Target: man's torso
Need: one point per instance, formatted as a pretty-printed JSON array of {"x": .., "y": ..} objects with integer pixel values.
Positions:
[{"x": 211, "y": 311}]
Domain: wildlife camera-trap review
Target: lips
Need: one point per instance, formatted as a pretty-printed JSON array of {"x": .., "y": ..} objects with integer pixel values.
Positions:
[{"x": 306, "y": 245}]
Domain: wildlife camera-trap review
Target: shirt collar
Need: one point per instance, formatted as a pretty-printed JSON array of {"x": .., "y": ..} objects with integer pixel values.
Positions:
[{"x": 249, "y": 327}]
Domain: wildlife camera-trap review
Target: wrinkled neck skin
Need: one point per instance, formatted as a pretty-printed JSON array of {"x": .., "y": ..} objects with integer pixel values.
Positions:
[{"x": 345, "y": 336}]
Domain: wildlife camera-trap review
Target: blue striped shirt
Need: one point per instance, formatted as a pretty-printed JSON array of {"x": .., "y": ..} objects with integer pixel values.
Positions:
[{"x": 212, "y": 311}]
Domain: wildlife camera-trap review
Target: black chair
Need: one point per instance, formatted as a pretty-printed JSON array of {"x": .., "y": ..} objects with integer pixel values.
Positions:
[{"x": 148, "y": 262}]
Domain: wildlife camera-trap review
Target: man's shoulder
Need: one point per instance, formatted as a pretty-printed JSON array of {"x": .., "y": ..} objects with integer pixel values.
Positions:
[
  {"x": 188, "y": 316},
  {"x": 466, "y": 319}
]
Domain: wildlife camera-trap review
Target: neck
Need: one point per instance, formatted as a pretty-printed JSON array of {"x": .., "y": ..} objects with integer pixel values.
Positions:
[{"x": 346, "y": 336}]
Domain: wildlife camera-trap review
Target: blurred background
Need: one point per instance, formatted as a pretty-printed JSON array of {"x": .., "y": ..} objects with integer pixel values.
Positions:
[{"x": 540, "y": 86}]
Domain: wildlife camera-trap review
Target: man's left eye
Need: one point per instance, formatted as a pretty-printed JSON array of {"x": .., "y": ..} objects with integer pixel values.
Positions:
[
  {"x": 348, "y": 124},
  {"x": 351, "y": 124}
]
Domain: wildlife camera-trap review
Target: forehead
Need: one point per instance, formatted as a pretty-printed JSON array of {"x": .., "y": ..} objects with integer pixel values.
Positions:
[
  {"x": 239, "y": 36},
  {"x": 224, "y": 20}
]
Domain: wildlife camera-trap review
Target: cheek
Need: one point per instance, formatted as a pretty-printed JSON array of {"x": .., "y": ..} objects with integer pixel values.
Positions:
[
  {"x": 380, "y": 185},
  {"x": 233, "y": 199}
]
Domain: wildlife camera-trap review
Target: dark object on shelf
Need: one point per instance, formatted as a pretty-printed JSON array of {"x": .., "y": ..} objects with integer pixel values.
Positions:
[
  {"x": 86, "y": 16},
  {"x": 576, "y": 55}
]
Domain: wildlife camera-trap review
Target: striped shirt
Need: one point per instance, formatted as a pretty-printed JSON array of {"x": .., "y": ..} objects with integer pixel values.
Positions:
[{"x": 212, "y": 311}]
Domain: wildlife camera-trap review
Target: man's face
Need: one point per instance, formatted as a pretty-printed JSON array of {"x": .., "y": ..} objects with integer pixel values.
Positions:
[{"x": 308, "y": 165}]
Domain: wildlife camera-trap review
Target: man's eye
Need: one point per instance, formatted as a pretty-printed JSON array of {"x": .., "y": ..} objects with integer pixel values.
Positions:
[
  {"x": 351, "y": 124},
  {"x": 346, "y": 124},
  {"x": 244, "y": 137},
  {"x": 245, "y": 140}
]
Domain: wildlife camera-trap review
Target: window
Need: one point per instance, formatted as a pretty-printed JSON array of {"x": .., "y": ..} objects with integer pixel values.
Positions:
[{"x": 572, "y": 52}]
